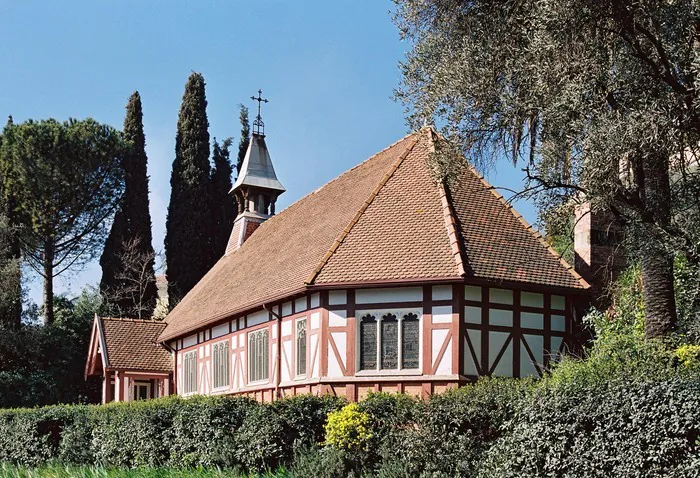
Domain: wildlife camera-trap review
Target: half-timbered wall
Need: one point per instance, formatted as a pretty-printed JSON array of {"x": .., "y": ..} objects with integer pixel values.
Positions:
[
  {"x": 513, "y": 333},
  {"x": 463, "y": 331}
]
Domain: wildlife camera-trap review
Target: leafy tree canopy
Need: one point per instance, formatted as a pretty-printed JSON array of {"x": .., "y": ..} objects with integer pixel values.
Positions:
[{"x": 66, "y": 180}]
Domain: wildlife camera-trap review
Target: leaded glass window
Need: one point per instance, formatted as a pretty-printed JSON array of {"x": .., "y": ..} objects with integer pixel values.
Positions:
[
  {"x": 220, "y": 365},
  {"x": 390, "y": 342},
  {"x": 409, "y": 341},
  {"x": 258, "y": 356},
  {"x": 368, "y": 343},
  {"x": 189, "y": 372},
  {"x": 301, "y": 347}
]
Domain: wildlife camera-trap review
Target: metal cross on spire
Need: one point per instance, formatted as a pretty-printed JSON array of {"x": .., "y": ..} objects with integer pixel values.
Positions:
[{"x": 258, "y": 125}]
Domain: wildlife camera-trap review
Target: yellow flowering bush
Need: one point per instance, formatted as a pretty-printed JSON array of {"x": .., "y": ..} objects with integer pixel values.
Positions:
[
  {"x": 688, "y": 355},
  {"x": 348, "y": 428}
]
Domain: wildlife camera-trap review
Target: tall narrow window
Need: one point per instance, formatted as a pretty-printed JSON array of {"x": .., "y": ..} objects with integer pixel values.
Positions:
[
  {"x": 368, "y": 343},
  {"x": 390, "y": 342},
  {"x": 220, "y": 365},
  {"x": 258, "y": 350},
  {"x": 189, "y": 372},
  {"x": 301, "y": 347},
  {"x": 409, "y": 341}
]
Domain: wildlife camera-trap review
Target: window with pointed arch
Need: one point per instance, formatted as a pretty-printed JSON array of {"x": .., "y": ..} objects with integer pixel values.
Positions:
[
  {"x": 189, "y": 373},
  {"x": 220, "y": 365},
  {"x": 301, "y": 348},
  {"x": 258, "y": 356},
  {"x": 389, "y": 340}
]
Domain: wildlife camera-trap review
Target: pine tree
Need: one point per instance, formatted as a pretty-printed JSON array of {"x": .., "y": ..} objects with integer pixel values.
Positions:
[
  {"x": 188, "y": 226},
  {"x": 131, "y": 289},
  {"x": 245, "y": 137},
  {"x": 223, "y": 207}
]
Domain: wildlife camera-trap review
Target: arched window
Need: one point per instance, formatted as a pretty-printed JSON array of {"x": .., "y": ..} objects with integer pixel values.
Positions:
[
  {"x": 258, "y": 361},
  {"x": 220, "y": 365},
  {"x": 301, "y": 347},
  {"x": 390, "y": 342},
  {"x": 189, "y": 373},
  {"x": 368, "y": 343},
  {"x": 410, "y": 335}
]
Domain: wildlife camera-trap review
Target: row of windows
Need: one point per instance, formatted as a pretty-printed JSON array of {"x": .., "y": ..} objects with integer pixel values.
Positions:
[
  {"x": 389, "y": 341},
  {"x": 258, "y": 360}
]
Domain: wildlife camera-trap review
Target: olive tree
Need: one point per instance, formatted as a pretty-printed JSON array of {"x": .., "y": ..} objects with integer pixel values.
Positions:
[{"x": 595, "y": 99}]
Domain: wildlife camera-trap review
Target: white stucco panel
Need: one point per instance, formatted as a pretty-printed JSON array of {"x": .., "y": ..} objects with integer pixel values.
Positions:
[
  {"x": 396, "y": 294},
  {"x": 442, "y": 314},
  {"x": 315, "y": 320},
  {"x": 337, "y": 318}
]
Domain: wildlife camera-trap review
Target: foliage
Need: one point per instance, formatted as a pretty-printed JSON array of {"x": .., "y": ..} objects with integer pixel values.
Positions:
[
  {"x": 188, "y": 225},
  {"x": 326, "y": 462},
  {"x": 245, "y": 137},
  {"x": 611, "y": 428},
  {"x": 10, "y": 274},
  {"x": 453, "y": 430},
  {"x": 131, "y": 287},
  {"x": 67, "y": 471},
  {"x": 597, "y": 100},
  {"x": 349, "y": 429},
  {"x": 223, "y": 205},
  {"x": 688, "y": 355},
  {"x": 66, "y": 180},
  {"x": 44, "y": 365}
]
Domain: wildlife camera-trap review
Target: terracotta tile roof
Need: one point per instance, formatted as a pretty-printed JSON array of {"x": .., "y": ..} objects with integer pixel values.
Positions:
[
  {"x": 383, "y": 220},
  {"x": 401, "y": 234},
  {"x": 132, "y": 345},
  {"x": 284, "y": 251},
  {"x": 498, "y": 243}
]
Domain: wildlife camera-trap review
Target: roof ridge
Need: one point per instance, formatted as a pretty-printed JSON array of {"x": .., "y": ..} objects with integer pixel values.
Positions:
[
  {"x": 382, "y": 182},
  {"x": 448, "y": 213},
  {"x": 529, "y": 228},
  {"x": 311, "y": 193},
  {"x": 127, "y": 319}
]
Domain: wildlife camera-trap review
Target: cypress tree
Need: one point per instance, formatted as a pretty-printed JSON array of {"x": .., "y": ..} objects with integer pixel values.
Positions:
[
  {"x": 128, "y": 259},
  {"x": 188, "y": 226},
  {"x": 10, "y": 271},
  {"x": 245, "y": 137},
  {"x": 223, "y": 207}
]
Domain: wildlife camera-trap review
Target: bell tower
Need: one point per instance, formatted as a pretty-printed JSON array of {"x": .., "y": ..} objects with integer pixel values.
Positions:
[{"x": 257, "y": 188}]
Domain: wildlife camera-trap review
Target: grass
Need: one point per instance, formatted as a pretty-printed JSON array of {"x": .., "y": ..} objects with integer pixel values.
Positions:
[{"x": 60, "y": 471}]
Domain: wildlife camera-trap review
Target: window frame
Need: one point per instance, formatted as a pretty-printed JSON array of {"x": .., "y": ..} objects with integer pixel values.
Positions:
[
  {"x": 265, "y": 332},
  {"x": 297, "y": 356},
  {"x": 185, "y": 373},
  {"x": 135, "y": 387},
  {"x": 227, "y": 368},
  {"x": 379, "y": 315}
]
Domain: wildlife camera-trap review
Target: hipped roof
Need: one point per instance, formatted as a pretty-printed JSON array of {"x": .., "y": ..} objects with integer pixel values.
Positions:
[
  {"x": 132, "y": 344},
  {"x": 386, "y": 219}
]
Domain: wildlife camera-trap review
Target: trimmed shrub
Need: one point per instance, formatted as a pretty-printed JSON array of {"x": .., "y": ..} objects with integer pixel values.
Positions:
[
  {"x": 327, "y": 462},
  {"x": 204, "y": 428},
  {"x": 305, "y": 417},
  {"x": 349, "y": 429},
  {"x": 614, "y": 428},
  {"x": 260, "y": 441}
]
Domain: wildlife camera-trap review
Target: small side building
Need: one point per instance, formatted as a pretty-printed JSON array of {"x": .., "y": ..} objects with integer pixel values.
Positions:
[{"x": 132, "y": 364}]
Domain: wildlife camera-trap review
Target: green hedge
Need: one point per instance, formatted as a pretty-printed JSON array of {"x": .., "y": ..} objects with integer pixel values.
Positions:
[
  {"x": 618, "y": 426},
  {"x": 199, "y": 432}
]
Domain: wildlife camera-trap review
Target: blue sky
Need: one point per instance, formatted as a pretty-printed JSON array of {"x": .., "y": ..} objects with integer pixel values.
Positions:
[{"x": 328, "y": 68}]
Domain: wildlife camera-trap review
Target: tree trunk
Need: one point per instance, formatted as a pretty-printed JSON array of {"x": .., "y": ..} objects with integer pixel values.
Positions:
[
  {"x": 656, "y": 259},
  {"x": 48, "y": 282}
]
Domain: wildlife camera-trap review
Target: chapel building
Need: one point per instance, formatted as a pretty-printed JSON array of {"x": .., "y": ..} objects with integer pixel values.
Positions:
[{"x": 384, "y": 279}]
